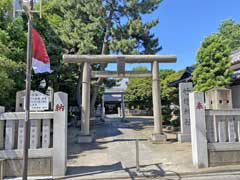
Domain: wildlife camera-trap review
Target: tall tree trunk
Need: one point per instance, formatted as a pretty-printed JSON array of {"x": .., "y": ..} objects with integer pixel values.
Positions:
[{"x": 102, "y": 66}]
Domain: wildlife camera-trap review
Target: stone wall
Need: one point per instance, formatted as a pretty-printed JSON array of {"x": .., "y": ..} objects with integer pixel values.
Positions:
[
  {"x": 37, "y": 167},
  {"x": 219, "y": 158},
  {"x": 138, "y": 112},
  {"x": 45, "y": 158},
  {"x": 215, "y": 133}
]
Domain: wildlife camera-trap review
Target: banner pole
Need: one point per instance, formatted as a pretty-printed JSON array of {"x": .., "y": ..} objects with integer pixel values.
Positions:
[{"x": 27, "y": 95}]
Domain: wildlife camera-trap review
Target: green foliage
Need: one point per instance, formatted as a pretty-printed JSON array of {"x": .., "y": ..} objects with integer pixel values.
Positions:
[
  {"x": 169, "y": 95},
  {"x": 82, "y": 25},
  {"x": 231, "y": 31},
  {"x": 12, "y": 53},
  {"x": 10, "y": 72},
  {"x": 5, "y": 9},
  {"x": 74, "y": 27},
  {"x": 129, "y": 34},
  {"x": 96, "y": 27},
  {"x": 213, "y": 64},
  {"x": 77, "y": 23},
  {"x": 139, "y": 91}
]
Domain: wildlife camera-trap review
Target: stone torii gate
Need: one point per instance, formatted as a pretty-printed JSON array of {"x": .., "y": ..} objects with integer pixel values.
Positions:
[{"x": 87, "y": 60}]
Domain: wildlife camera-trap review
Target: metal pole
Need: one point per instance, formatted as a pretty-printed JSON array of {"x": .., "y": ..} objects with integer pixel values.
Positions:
[
  {"x": 27, "y": 97},
  {"x": 137, "y": 156}
]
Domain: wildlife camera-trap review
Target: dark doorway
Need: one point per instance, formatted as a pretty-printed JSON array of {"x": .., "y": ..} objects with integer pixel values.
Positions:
[{"x": 112, "y": 107}]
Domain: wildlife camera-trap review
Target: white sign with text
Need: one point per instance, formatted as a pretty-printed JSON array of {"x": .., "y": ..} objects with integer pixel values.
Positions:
[{"x": 38, "y": 101}]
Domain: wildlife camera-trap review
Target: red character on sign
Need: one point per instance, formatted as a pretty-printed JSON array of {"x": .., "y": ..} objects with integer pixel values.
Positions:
[
  {"x": 199, "y": 105},
  {"x": 59, "y": 107}
]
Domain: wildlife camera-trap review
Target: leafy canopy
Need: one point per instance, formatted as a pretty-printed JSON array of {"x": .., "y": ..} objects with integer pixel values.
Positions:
[
  {"x": 12, "y": 55},
  {"x": 213, "y": 63},
  {"x": 139, "y": 91},
  {"x": 231, "y": 31},
  {"x": 74, "y": 27}
]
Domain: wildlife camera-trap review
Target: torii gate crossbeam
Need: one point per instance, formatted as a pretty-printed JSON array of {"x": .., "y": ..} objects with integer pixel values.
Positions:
[
  {"x": 96, "y": 59},
  {"x": 157, "y": 135}
]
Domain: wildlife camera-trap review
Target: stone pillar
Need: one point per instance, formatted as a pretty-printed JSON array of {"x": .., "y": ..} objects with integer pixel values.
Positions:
[
  {"x": 46, "y": 128},
  {"x": 20, "y": 134},
  {"x": 10, "y": 134},
  {"x": 60, "y": 133},
  {"x": 198, "y": 130},
  {"x": 157, "y": 135},
  {"x": 184, "y": 90},
  {"x": 19, "y": 107},
  {"x": 50, "y": 93},
  {"x": 2, "y": 110},
  {"x": 123, "y": 106},
  {"x": 103, "y": 107},
  {"x": 35, "y": 127},
  {"x": 85, "y": 113},
  {"x": 85, "y": 136},
  {"x": 20, "y": 101}
]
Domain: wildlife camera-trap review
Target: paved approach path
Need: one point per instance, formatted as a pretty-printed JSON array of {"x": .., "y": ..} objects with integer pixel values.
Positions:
[{"x": 113, "y": 155}]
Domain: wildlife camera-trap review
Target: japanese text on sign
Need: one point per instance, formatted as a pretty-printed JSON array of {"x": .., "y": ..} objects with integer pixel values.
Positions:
[{"x": 38, "y": 101}]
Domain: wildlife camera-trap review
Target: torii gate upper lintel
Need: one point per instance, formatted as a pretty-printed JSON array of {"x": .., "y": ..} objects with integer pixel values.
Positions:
[
  {"x": 96, "y": 59},
  {"x": 121, "y": 60}
]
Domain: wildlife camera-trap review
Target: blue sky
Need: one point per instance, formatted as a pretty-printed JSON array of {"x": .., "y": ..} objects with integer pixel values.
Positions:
[{"x": 185, "y": 23}]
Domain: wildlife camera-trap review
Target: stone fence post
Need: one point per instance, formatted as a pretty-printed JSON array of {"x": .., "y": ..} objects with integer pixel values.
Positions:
[
  {"x": 60, "y": 133},
  {"x": 2, "y": 110},
  {"x": 184, "y": 90},
  {"x": 198, "y": 129}
]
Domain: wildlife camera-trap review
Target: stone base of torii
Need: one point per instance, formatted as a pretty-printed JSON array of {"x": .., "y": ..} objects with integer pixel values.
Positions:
[{"x": 87, "y": 60}]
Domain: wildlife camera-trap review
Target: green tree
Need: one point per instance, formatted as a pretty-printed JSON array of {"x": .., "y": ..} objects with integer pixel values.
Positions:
[
  {"x": 9, "y": 70},
  {"x": 12, "y": 53},
  {"x": 169, "y": 95},
  {"x": 139, "y": 91},
  {"x": 213, "y": 64},
  {"x": 103, "y": 27},
  {"x": 231, "y": 31},
  {"x": 125, "y": 31},
  {"x": 78, "y": 27}
]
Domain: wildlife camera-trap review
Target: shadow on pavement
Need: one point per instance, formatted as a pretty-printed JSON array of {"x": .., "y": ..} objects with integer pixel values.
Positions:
[
  {"x": 81, "y": 171},
  {"x": 109, "y": 129},
  {"x": 152, "y": 173},
  {"x": 121, "y": 140},
  {"x": 87, "y": 171},
  {"x": 112, "y": 128}
]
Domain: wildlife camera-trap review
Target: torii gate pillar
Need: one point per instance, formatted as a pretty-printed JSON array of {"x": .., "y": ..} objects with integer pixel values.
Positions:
[
  {"x": 157, "y": 135},
  {"x": 85, "y": 137}
]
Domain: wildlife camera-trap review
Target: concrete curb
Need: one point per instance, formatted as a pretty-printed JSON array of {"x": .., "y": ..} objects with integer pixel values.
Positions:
[{"x": 214, "y": 171}]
